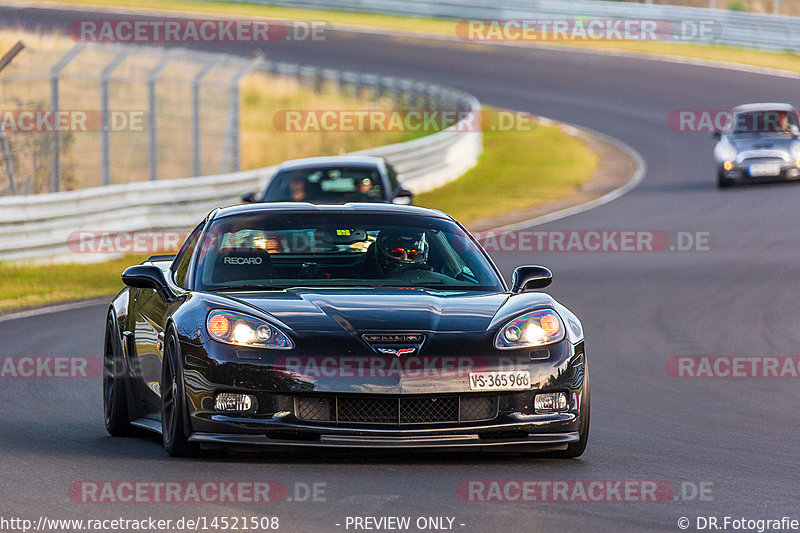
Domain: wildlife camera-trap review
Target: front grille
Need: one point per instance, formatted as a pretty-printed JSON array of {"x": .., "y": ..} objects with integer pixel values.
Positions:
[
  {"x": 478, "y": 407},
  {"x": 366, "y": 410},
  {"x": 395, "y": 410},
  {"x": 421, "y": 410},
  {"x": 313, "y": 409},
  {"x": 759, "y": 159}
]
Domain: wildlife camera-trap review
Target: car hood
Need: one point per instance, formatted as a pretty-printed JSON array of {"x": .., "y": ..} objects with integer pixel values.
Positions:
[
  {"x": 330, "y": 353},
  {"x": 385, "y": 309}
]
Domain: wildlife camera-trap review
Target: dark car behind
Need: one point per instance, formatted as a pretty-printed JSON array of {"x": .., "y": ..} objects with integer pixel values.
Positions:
[{"x": 334, "y": 180}]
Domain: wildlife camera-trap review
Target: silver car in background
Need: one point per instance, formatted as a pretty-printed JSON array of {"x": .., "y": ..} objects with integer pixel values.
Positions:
[{"x": 760, "y": 144}]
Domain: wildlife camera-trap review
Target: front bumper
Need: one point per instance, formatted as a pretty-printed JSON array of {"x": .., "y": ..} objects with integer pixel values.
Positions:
[
  {"x": 524, "y": 434},
  {"x": 741, "y": 173},
  {"x": 514, "y": 424}
]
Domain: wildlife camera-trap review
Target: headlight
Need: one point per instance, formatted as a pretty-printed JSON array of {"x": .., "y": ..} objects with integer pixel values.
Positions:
[
  {"x": 244, "y": 330},
  {"x": 724, "y": 151},
  {"x": 794, "y": 148},
  {"x": 536, "y": 328}
]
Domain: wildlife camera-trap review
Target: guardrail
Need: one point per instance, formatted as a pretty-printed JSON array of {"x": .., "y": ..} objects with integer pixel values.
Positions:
[
  {"x": 45, "y": 227},
  {"x": 753, "y": 30}
]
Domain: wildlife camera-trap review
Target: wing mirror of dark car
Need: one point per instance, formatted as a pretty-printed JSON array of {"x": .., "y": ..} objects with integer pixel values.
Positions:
[
  {"x": 403, "y": 197},
  {"x": 147, "y": 277},
  {"x": 717, "y": 135},
  {"x": 249, "y": 197},
  {"x": 532, "y": 277}
]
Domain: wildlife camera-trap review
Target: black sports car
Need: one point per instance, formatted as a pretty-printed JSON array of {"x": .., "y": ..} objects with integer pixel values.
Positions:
[{"x": 357, "y": 325}]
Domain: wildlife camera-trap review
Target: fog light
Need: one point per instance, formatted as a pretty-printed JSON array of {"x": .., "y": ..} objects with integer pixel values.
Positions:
[
  {"x": 727, "y": 165},
  {"x": 234, "y": 403},
  {"x": 551, "y": 401}
]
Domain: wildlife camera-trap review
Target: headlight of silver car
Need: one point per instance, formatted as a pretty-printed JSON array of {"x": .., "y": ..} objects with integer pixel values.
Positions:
[
  {"x": 239, "y": 329},
  {"x": 724, "y": 151},
  {"x": 794, "y": 148},
  {"x": 536, "y": 328}
]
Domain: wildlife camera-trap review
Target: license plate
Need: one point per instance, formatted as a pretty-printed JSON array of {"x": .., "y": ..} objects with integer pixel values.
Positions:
[
  {"x": 512, "y": 380},
  {"x": 764, "y": 169}
]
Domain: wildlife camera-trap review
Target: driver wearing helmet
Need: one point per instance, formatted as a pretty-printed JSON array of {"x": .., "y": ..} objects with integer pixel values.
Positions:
[{"x": 401, "y": 250}]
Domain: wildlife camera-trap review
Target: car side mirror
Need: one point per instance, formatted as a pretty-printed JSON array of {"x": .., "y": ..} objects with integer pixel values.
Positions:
[
  {"x": 717, "y": 135},
  {"x": 794, "y": 130},
  {"x": 249, "y": 197},
  {"x": 147, "y": 277},
  {"x": 403, "y": 197},
  {"x": 532, "y": 277}
]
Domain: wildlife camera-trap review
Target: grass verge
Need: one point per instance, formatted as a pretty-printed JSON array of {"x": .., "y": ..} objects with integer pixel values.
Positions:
[
  {"x": 517, "y": 170},
  {"x": 779, "y": 60},
  {"x": 34, "y": 285}
]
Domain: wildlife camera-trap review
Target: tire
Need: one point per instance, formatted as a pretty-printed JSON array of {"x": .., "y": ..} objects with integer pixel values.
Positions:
[
  {"x": 723, "y": 182},
  {"x": 574, "y": 449},
  {"x": 115, "y": 399},
  {"x": 173, "y": 401}
]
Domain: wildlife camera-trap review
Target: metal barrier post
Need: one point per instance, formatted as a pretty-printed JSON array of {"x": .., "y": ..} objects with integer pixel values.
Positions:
[
  {"x": 152, "y": 140},
  {"x": 55, "y": 73},
  {"x": 9, "y": 164},
  {"x": 232, "y": 136},
  {"x": 105, "y": 138},
  {"x": 208, "y": 67},
  {"x": 7, "y": 58}
]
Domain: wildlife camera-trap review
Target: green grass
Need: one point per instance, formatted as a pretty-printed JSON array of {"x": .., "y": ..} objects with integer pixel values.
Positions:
[
  {"x": 28, "y": 285},
  {"x": 517, "y": 170},
  {"x": 780, "y": 60},
  {"x": 787, "y": 7},
  {"x": 263, "y": 145}
]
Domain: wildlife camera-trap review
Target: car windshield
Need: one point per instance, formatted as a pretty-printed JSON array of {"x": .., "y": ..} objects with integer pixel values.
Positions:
[
  {"x": 270, "y": 251},
  {"x": 766, "y": 121},
  {"x": 330, "y": 184}
]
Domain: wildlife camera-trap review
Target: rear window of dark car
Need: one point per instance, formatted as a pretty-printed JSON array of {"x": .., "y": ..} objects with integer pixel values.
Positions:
[{"x": 330, "y": 184}]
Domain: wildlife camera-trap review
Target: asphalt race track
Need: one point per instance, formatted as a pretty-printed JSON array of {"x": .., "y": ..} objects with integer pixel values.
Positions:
[{"x": 739, "y": 298}]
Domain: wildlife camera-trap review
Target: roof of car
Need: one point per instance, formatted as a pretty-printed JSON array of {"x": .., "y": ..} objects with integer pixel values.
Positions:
[
  {"x": 360, "y": 160},
  {"x": 305, "y": 207},
  {"x": 766, "y": 106}
]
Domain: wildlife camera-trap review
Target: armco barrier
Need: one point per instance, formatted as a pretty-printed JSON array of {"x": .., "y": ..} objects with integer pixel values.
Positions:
[{"x": 754, "y": 30}]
